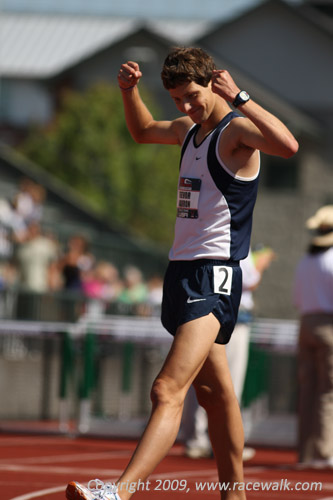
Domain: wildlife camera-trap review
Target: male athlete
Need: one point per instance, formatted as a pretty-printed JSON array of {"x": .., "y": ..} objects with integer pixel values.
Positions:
[{"x": 217, "y": 189}]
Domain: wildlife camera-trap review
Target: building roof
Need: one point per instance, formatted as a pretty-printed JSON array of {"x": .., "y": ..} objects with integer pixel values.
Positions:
[
  {"x": 210, "y": 9},
  {"x": 179, "y": 31},
  {"x": 41, "y": 46}
]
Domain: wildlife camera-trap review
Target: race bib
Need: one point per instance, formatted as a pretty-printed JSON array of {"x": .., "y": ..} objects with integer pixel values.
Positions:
[
  {"x": 222, "y": 279},
  {"x": 188, "y": 197}
]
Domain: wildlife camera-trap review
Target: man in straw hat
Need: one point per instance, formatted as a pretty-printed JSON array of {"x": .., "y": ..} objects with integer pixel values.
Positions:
[{"x": 313, "y": 296}]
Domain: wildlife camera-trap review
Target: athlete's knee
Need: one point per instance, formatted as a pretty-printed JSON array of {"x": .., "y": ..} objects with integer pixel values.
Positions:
[
  {"x": 204, "y": 396},
  {"x": 165, "y": 391},
  {"x": 213, "y": 398}
]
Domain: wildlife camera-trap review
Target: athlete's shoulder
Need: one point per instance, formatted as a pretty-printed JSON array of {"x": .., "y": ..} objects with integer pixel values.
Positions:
[
  {"x": 238, "y": 127},
  {"x": 243, "y": 126},
  {"x": 239, "y": 122},
  {"x": 181, "y": 126}
]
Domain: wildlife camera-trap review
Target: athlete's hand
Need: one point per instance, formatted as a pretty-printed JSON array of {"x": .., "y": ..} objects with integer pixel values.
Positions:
[
  {"x": 224, "y": 85},
  {"x": 129, "y": 75}
]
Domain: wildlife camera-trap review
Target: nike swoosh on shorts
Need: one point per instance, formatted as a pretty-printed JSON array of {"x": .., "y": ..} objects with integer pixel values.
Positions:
[{"x": 189, "y": 300}]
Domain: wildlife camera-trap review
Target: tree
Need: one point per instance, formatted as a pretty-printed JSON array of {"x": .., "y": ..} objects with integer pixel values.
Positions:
[{"x": 88, "y": 146}]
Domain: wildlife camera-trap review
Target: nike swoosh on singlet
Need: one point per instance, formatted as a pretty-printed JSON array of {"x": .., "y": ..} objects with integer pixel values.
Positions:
[{"x": 189, "y": 300}]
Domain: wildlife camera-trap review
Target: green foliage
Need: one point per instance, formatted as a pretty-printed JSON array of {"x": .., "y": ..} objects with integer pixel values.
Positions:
[{"x": 89, "y": 147}]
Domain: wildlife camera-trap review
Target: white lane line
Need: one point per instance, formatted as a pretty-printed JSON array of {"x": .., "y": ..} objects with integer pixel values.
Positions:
[
  {"x": 81, "y": 457},
  {"x": 101, "y": 472},
  {"x": 21, "y": 441},
  {"x": 40, "y": 493},
  {"x": 58, "y": 470}
]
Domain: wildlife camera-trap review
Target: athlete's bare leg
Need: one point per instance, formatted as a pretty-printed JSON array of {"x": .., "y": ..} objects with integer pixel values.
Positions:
[
  {"x": 189, "y": 350},
  {"x": 215, "y": 393}
]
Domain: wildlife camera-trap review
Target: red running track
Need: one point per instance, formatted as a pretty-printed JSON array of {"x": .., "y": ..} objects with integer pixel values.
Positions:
[{"x": 40, "y": 467}]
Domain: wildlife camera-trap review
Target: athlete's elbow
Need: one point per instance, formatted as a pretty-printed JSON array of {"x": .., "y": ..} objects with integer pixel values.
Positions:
[
  {"x": 290, "y": 148},
  {"x": 141, "y": 136},
  {"x": 137, "y": 137}
]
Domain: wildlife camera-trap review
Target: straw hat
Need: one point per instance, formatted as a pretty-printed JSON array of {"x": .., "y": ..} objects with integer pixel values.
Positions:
[{"x": 322, "y": 223}]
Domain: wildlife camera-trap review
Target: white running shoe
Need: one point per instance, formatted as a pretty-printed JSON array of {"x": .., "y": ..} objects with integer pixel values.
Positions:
[
  {"x": 248, "y": 453},
  {"x": 97, "y": 490}
]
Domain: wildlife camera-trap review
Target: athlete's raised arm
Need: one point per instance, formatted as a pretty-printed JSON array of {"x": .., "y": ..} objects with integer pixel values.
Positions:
[
  {"x": 263, "y": 130},
  {"x": 140, "y": 122}
]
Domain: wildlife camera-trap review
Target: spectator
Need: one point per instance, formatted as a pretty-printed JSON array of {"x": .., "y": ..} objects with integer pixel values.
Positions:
[
  {"x": 102, "y": 282},
  {"x": 75, "y": 263},
  {"x": 135, "y": 290},
  {"x": 36, "y": 261},
  {"x": 12, "y": 229},
  {"x": 155, "y": 290},
  {"x": 102, "y": 286},
  {"x": 28, "y": 202},
  {"x": 313, "y": 297}
]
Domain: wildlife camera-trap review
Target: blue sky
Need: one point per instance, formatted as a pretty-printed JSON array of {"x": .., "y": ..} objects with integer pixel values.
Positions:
[{"x": 180, "y": 9}]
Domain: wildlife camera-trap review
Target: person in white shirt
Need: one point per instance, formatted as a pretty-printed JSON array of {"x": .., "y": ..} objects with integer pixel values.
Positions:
[{"x": 313, "y": 297}]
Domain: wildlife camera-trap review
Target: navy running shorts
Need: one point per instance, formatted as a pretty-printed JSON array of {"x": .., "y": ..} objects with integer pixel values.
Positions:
[{"x": 193, "y": 289}]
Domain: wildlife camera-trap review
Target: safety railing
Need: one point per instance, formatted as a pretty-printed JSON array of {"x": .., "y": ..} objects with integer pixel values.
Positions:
[{"x": 94, "y": 375}]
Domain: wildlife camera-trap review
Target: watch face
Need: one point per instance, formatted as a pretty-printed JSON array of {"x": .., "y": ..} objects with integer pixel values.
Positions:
[
  {"x": 244, "y": 95},
  {"x": 241, "y": 98}
]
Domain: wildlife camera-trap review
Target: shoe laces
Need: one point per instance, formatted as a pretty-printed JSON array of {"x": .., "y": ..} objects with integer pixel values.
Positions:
[{"x": 100, "y": 489}]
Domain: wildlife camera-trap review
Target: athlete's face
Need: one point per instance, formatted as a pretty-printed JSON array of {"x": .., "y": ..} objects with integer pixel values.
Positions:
[{"x": 194, "y": 100}]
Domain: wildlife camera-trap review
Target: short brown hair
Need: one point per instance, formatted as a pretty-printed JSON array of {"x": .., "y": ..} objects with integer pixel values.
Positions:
[{"x": 187, "y": 64}]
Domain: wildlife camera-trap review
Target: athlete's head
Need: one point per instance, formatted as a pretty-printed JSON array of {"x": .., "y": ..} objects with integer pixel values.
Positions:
[{"x": 187, "y": 65}]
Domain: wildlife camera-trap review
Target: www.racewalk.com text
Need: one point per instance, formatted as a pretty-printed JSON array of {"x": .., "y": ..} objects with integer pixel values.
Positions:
[{"x": 186, "y": 487}]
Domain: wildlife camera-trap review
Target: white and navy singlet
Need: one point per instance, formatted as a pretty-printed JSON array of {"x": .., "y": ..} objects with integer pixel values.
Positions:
[{"x": 214, "y": 206}]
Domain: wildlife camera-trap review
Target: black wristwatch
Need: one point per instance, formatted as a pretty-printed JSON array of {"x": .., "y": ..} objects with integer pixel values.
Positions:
[{"x": 241, "y": 98}]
